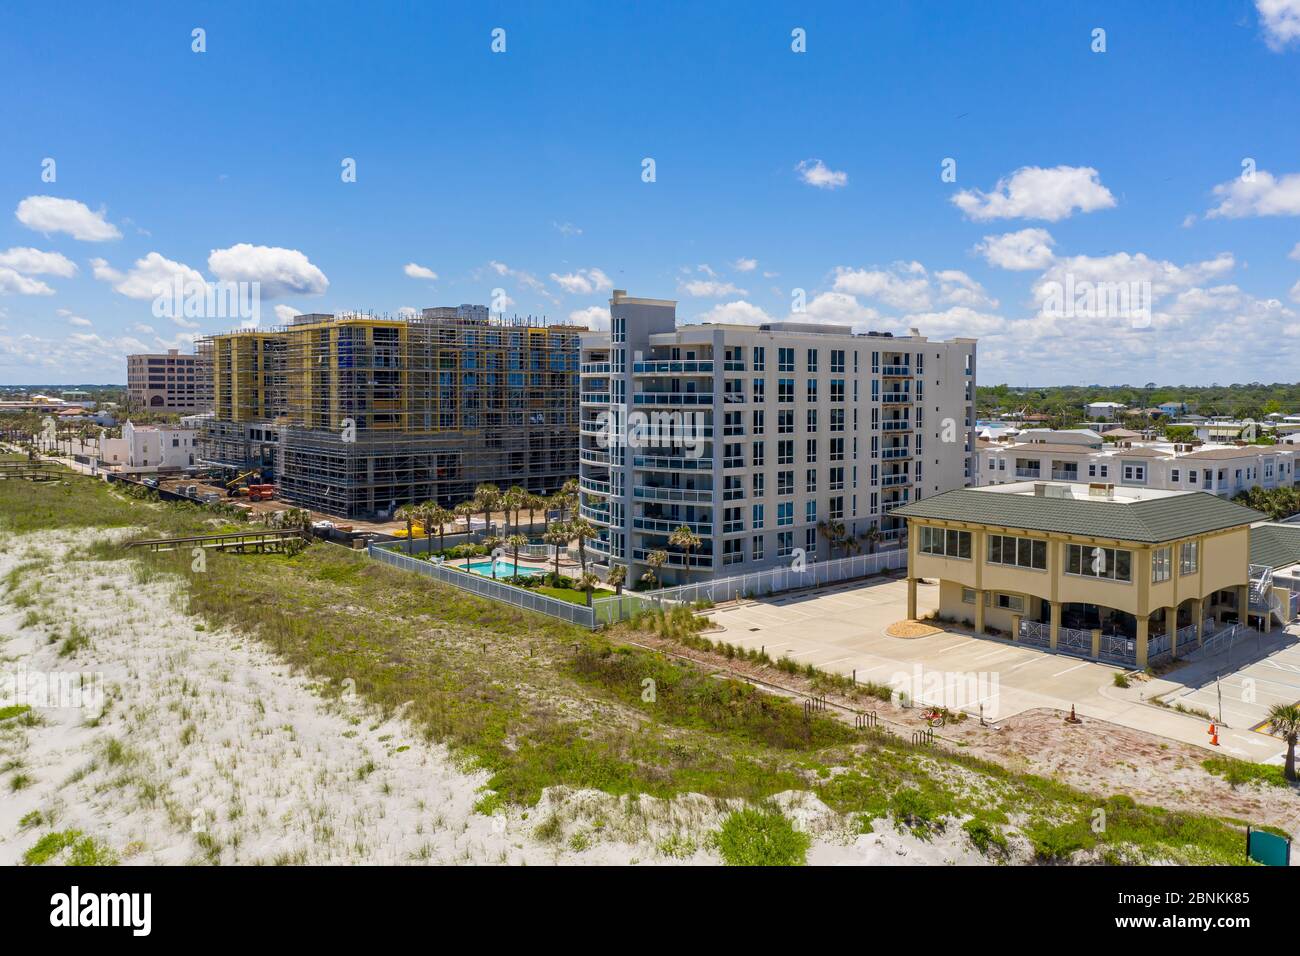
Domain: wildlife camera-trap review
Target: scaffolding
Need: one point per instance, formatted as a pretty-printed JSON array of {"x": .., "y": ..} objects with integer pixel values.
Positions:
[{"x": 357, "y": 413}]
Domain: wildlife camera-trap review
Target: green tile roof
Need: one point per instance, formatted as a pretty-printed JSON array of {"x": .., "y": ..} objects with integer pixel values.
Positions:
[
  {"x": 1275, "y": 545},
  {"x": 1149, "y": 521}
]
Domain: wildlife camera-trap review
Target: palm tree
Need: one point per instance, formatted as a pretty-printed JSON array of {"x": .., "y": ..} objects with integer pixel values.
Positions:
[
  {"x": 466, "y": 511},
  {"x": 513, "y": 500},
  {"x": 617, "y": 575},
  {"x": 441, "y": 517},
  {"x": 686, "y": 539},
  {"x": 410, "y": 514},
  {"x": 587, "y": 582},
  {"x": 558, "y": 537},
  {"x": 582, "y": 529},
  {"x": 871, "y": 536},
  {"x": 425, "y": 511},
  {"x": 833, "y": 532},
  {"x": 656, "y": 560},
  {"x": 487, "y": 499},
  {"x": 1284, "y": 720},
  {"x": 535, "y": 502},
  {"x": 516, "y": 541}
]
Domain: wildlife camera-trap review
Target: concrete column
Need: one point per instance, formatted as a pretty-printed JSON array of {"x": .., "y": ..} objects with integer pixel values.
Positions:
[
  {"x": 1015, "y": 627},
  {"x": 1096, "y": 642},
  {"x": 1056, "y": 624},
  {"x": 1243, "y": 604},
  {"x": 1142, "y": 622},
  {"x": 1171, "y": 628},
  {"x": 911, "y": 598},
  {"x": 979, "y": 611},
  {"x": 1198, "y": 608}
]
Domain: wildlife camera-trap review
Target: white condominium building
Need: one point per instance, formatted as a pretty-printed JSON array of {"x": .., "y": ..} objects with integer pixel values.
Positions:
[
  {"x": 1082, "y": 455},
  {"x": 762, "y": 440}
]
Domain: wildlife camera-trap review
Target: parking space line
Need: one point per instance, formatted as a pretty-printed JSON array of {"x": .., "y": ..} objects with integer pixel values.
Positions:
[{"x": 1074, "y": 668}]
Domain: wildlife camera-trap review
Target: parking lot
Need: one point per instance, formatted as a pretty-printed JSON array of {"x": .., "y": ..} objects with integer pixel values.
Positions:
[{"x": 841, "y": 629}]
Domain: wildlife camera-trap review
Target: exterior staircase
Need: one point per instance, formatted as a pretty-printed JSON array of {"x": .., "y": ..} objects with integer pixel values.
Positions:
[{"x": 1263, "y": 600}]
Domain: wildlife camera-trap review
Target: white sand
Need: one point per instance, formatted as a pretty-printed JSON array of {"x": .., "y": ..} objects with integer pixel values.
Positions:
[{"x": 232, "y": 756}]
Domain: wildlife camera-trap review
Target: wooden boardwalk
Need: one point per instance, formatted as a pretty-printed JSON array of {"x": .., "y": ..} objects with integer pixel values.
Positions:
[{"x": 240, "y": 542}]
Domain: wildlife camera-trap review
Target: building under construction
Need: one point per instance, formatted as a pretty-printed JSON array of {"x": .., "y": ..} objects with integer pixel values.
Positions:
[{"x": 355, "y": 414}]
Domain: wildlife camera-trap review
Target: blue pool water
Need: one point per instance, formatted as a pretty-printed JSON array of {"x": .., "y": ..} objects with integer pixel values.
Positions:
[{"x": 505, "y": 569}]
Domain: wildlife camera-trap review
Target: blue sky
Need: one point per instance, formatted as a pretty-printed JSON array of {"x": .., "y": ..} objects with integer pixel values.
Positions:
[{"x": 775, "y": 171}]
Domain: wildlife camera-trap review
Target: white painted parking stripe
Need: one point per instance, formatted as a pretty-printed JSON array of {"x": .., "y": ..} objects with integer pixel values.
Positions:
[
  {"x": 1033, "y": 660},
  {"x": 1068, "y": 669}
]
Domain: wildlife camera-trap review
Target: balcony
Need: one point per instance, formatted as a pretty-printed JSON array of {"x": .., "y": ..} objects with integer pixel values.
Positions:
[
  {"x": 593, "y": 456},
  {"x": 1065, "y": 474},
  {"x": 593, "y": 486},
  {"x": 594, "y": 398},
  {"x": 890, "y": 481},
  {"x": 675, "y": 559},
  {"x": 895, "y": 398},
  {"x": 1028, "y": 473},
  {"x": 588, "y": 427},
  {"x": 669, "y": 525},
  {"x": 899, "y": 452},
  {"x": 897, "y": 371},
  {"x": 670, "y": 398},
  {"x": 674, "y": 367},
  {"x": 597, "y": 515},
  {"x": 896, "y": 425},
  {"x": 664, "y": 493},
  {"x": 660, "y": 463},
  {"x": 595, "y": 368},
  {"x": 732, "y": 365}
]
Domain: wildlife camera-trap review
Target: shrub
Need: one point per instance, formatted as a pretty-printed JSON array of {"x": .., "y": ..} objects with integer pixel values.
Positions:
[
  {"x": 761, "y": 838},
  {"x": 986, "y": 838}
]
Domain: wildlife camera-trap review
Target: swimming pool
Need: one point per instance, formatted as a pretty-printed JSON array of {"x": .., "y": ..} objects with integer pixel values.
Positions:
[{"x": 505, "y": 569}]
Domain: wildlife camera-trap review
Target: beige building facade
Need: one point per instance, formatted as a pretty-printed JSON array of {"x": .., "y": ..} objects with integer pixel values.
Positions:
[{"x": 1130, "y": 576}]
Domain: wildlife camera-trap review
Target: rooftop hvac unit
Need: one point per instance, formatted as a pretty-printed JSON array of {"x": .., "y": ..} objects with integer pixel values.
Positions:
[{"x": 1098, "y": 489}]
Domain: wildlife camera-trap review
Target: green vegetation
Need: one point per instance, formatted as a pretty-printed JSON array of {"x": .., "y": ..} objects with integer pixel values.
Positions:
[
  {"x": 1239, "y": 772},
  {"x": 538, "y": 703},
  {"x": 761, "y": 837},
  {"x": 1063, "y": 405},
  {"x": 82, "y": 850},
  {"x": 1277, "y": 503},
  {"x": 14, "y": 710}
]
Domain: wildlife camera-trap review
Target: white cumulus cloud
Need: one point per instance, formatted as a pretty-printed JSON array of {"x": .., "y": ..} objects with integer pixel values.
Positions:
[
  {"x": 1033, "y": 192},
  {"x": 583, "y": 281},
  {"x": 32, "y": 262},
  {"x": 49, "y": 214},
  {"x": 1026, "y": 249},
  {"x": 1281, "y": 22},
  {"x": 816, "y": 173},
  {"x": 595, "y": 317},
  {"x": 15, "y": 283},
  {"x": 414, "y": 271},
  {"x": 1264, "y": 195},
  {"x": 280, "y": 271}
]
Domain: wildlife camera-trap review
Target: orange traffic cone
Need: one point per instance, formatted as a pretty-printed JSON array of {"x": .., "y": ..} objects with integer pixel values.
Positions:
[
  {"x": 1212, "y": 732},
  {"x": 1214, "y": 740}
]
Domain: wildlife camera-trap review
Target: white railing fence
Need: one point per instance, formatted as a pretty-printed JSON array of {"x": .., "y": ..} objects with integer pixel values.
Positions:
[
  {"x": 1036, "y": 633},
  {"x": 488, "y": 588},
  {"x": 758, "y": 584}
]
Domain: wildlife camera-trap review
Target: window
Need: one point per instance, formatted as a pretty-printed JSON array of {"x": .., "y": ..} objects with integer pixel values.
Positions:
[
  {"x": 836, "y": 479},
  {"x": 760, "y": 358},
  {"x": 1134, "y": 472},
  {"x": 1188, "y": 557},
  {"x": 810, "y": 512},
  {"x": 758, "y": 518},
  {"x": 784, "y": 544},
  {"x": 1112, "y": 564},
  {"x": 837, "y": 449},
  {"x": 835, "y": 510},
  {"x": 810, "y": 481},
  {"x": 1017, "y": 552},
  {"x": 1012, "y": 602},
  {"x": 785, "y": 423},
  {"x": 785, "y": 390},
  {"x": 756, "y": 547},
  {"x": 784, "y": 513},
  {"x": 1160, "y": 560},
  {"x": 810, "y": 451},
  {"x": 837, "y": 389},
  {"x": 785, "y": 360},
  {"x": 785, "y": 451},
  {"x": 785, "y": 482},
  {"x": 758, "y": 422},
  {"x": 812, "y": 361},
  {"x": 760, "y": 389},
  {"x": 758, "y": 485},
  {"x": 1173, "y": 475},
  {"x": 945, "y": 542},
  {"x": 837, "y": 419},
  {"x": 758, "y": 457},
  {"x": 812, "y": 391},
  {"x": 837, "y": 360}
]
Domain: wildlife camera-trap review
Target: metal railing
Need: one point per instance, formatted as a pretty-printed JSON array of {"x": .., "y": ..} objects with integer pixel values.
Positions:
[
  {"x": 1118, "y": 648},
  {"x": 1035, "y": 633},
  {"x": 486, "y": 587},
  {"x": 1074, "y": 640},
  {"x": 758, "y": 584}
]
